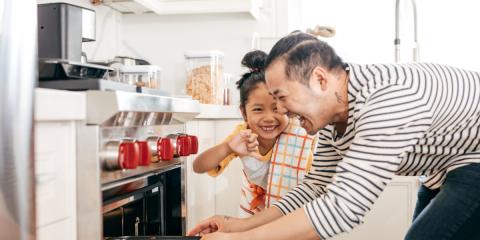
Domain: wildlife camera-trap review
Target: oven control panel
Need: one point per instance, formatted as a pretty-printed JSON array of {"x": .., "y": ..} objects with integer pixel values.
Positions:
[{"x": 130, "y": 154}]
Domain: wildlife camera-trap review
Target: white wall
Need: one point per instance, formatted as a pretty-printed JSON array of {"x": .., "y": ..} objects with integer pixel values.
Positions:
[
  {"x": 364, "y": 28},
  {"x": 447, "y": 29},
  {"x": 449, "y": 32},
  {"x": 163, "y": 40}
]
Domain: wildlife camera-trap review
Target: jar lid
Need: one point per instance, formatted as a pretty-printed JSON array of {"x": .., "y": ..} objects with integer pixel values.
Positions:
[{"x": 204, "y": 54}]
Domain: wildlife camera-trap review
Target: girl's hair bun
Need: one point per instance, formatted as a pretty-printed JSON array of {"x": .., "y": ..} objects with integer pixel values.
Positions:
[{"x": 255, "y": 60}]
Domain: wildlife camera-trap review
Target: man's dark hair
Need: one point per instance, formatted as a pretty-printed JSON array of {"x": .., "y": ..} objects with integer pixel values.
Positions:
[
  {"x": 304, "y": 57},
  {"x": 286, "y": 44}
]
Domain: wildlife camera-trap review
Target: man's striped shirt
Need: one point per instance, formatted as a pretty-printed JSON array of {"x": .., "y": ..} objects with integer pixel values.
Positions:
[{"x": 408, "y": 119}]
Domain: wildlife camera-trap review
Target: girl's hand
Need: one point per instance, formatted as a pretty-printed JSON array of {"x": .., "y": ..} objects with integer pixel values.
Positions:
[
  {"x": 245, "y": 143},
  {"x": 252, "y": 142}
]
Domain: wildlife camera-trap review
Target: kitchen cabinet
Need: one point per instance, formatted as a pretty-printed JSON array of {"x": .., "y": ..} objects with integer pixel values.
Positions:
[
  {"x": 207, "y": 196},
  {"x": 229, "y": 183},
  {"x": 55, "y": 180},
  {"x": 55, "y": 162},
  {"x": 200, "y": 187},
  {"x": 179, "y": 7},
  {"x": 392, "y": 214}
]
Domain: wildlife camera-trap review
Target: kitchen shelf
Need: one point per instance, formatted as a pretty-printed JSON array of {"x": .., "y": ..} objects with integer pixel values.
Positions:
[{"x": 180, "y": 7}]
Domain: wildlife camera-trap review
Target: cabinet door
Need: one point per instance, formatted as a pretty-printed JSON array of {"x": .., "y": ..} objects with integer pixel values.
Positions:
[
  {"x": 228, "y": 184},
  {"x": 392, "y": 214},
  {"x": 55, "y": 179},
  {"x": 200, "y": 187}
]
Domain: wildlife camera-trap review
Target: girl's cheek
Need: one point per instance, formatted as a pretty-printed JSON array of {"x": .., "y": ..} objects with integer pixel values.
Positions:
[{"x": 252, "y": 120}]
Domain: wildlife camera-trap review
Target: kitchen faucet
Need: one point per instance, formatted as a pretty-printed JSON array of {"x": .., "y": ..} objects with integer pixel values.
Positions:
[{"x": 397, "y": 31}]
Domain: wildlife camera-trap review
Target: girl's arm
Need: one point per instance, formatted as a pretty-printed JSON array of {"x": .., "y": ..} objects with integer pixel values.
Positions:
[
  {"x": 211, "y": 158},
  {"x": 241, "y": 143}
]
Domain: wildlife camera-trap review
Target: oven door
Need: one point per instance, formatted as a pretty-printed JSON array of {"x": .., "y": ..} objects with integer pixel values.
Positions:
[
  {"x": 150, "y": 206},
  {"x": 136, "y": 213}
]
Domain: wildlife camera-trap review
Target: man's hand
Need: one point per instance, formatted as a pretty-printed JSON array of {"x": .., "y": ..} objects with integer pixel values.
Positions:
[
  {"x": 210, "y": 225},
  {"x": 224, "y": 236}
]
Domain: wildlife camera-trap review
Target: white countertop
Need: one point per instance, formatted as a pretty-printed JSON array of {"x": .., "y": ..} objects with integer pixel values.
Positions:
[
  {"x": 54, "y": 105},
  {"x": 209, "y": 111}
]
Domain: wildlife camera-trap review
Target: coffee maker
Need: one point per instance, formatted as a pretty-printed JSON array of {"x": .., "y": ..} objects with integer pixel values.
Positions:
[{"x": 62, "y": 28}]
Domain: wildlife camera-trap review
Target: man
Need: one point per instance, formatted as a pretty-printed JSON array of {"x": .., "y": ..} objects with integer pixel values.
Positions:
[{"x": 373, "y": 122}]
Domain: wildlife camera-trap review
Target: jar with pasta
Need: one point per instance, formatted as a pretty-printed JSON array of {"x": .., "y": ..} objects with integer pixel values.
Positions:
[{"x": 205, "y": 76}]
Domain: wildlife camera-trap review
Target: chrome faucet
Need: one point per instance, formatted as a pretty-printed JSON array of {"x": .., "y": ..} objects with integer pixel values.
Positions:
[{"x": 397, "y": 31}]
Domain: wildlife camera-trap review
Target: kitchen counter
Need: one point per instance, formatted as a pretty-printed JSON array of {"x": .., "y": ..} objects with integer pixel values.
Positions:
[
  {"x": 209, "y": 111},
  {"x": 53, "y": 104},
  {"x": 57, "y": 105}
]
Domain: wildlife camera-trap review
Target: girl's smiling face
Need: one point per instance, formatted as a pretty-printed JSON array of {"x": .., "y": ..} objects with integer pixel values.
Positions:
[{"x": 260, "y": 113}]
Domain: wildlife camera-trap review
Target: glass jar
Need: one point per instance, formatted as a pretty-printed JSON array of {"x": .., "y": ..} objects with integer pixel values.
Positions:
[
  {"x": 141, "y": 75},
  {"x": 227, "y": 92},
  {"x": 205, "y": 76}
]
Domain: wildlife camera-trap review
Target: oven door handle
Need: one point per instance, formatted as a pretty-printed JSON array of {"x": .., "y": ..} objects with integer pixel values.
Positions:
[
  {"x": 131, "y": 197},
  {"x": 117, "y": 204}
]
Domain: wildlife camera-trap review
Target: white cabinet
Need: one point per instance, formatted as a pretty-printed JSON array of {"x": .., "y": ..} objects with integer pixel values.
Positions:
[
  {"x": 206, "y": 195},
  {"x": 200, "y": 187},
  {"x": 229, "y": 183},
  {"x": 392, "y": 214},
  {"x": 56, "y": 117},
  {"x": 55, "y": 180}
]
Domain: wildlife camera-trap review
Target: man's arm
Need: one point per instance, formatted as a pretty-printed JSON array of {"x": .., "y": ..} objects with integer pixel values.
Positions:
[{"x": 295, "y": 225}]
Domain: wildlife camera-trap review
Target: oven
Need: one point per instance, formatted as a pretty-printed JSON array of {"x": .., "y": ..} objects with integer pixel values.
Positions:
[{"x": 131, "y": 169}]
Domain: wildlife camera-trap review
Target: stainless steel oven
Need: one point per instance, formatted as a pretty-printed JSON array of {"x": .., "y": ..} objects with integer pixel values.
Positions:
[{"x": 131, "y": 165}]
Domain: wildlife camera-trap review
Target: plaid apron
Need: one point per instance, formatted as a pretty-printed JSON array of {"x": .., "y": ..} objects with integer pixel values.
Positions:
[{"x": 290, "y": 161}]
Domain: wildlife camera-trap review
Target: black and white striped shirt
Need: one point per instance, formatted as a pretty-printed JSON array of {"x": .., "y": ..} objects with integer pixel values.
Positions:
[{"x": 409, "y": 119}]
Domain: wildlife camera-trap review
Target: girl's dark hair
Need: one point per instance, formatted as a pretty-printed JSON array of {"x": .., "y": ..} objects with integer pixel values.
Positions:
[
  {"x": 303, "y": 58},
  {"x": 255, "y": 61},
  {"x": 286, "y": 44}
]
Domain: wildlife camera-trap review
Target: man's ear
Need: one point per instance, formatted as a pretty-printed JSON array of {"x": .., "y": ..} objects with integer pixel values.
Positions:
[{"x": 319, "y": 78}]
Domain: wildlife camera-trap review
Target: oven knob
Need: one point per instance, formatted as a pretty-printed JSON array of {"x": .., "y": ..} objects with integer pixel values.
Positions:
[
  {"x": 153, "y": 145},
  {"x": 110, "y": 154},
  {"x": 165, "y": 149},
  {"x": 193, "y": 144},
  {"x": 183, "y": 145},
  {"x": 127, "y": 158},
  {"x": 143, "y": 153}
]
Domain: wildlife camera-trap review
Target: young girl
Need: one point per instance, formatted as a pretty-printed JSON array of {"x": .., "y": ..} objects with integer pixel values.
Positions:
[{"x": 275, "y": 151}]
